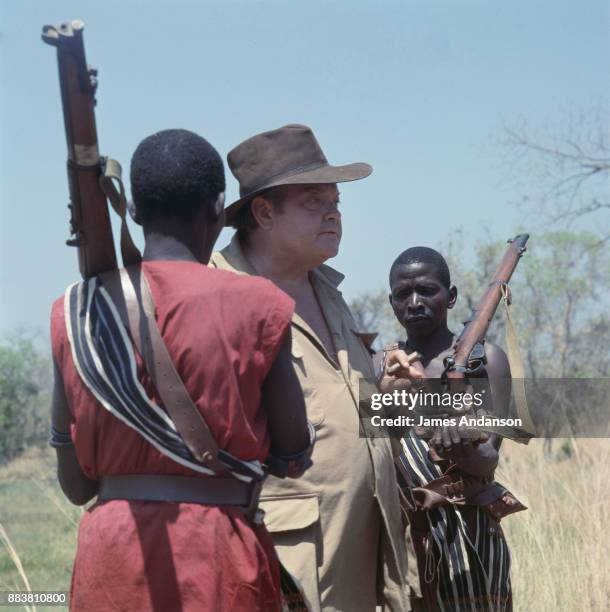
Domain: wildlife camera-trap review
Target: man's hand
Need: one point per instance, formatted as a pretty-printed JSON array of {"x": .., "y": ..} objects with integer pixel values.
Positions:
[
  {"x": 471, "y": 449},
  {"x": 400, "y": 365},
  {"x": 400, "y": 370},
  {"x": 450, "y": 439}
]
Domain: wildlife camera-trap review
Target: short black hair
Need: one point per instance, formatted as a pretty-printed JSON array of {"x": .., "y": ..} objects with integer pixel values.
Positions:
[
  {"x": 426, "y": 255},
  {"x": 175, "y": 173}
]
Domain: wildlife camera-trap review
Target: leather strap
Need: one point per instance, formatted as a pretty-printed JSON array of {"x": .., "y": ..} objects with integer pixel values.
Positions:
[
  {"x": 516, "y": 368},
  {"x": 457, "y": 488},
  {"x": 170, "y": 488},
  {"x": 131, "y": 295},
  {"x": 110, "y": 178}
]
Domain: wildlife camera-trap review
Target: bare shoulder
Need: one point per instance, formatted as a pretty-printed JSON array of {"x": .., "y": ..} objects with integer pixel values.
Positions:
[{"x": 497, "y": 361}]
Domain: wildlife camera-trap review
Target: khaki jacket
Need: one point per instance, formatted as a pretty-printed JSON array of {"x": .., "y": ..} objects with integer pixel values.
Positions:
[{"x": 338, "y": 528}]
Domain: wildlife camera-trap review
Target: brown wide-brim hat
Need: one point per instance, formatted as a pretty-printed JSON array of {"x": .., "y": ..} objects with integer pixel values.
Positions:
[{"x": 289, "y": 155}]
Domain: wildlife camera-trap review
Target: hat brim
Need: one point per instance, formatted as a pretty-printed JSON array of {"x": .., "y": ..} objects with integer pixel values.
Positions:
[{"x": 324, "y": 174}]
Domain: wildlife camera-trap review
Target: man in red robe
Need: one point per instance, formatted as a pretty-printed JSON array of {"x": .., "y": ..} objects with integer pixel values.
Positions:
[{"x": 226, "y": 336}]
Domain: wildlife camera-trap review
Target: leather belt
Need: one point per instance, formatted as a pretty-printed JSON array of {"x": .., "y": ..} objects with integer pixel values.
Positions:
[{"x": 213, "y": 491}]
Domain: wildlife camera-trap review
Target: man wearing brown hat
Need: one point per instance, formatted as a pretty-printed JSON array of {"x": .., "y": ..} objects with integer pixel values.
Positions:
[{"x": 337, "y": 529}]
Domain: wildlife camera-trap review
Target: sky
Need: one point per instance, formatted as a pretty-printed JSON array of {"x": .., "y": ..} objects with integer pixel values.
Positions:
[{"x": 421, "y": 89}]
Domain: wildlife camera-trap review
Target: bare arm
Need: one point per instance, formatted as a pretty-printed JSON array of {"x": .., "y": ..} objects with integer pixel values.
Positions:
[
  {"x": 285, "y": 405},
  {"x": 76, "y": 486}
]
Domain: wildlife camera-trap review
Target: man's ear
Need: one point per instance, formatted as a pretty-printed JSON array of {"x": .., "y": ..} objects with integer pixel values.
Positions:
[
  {"x": 133, "y": 212},
  {"x": 390, "y": 300},
  {"x": 219, "y": 205},
  {"x": 453, "y": 293},
  {"x": 262, "y": 211}
]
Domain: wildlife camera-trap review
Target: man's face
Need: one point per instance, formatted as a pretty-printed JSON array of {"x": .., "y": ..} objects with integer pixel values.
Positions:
[
  {"x": 419, "y": 299},
  {"x": 307, "y": 222}
]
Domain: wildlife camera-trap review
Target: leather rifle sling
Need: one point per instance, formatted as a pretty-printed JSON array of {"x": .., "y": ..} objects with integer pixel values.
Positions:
[
  {"x": 111, "y": 183},
  {"x": 517, "y": 368},
  {"x": 131, "y": 295}
]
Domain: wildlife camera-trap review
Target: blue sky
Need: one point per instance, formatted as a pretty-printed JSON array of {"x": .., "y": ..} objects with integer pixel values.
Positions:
[{"x": 421, "y": 89}]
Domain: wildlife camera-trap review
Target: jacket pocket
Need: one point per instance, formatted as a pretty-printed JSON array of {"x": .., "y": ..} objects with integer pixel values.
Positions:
[
  {"x": 294, "y": 525},
  {"x": 290, "y": 513}
]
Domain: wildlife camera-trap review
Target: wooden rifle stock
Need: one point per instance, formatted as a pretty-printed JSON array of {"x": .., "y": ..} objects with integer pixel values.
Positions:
[
  {"x": 90, "y": 219},
  {"x": 468, "y": 354}
]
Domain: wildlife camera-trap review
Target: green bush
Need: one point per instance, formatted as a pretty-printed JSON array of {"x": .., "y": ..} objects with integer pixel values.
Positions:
[{"x": 25, "y": 384}]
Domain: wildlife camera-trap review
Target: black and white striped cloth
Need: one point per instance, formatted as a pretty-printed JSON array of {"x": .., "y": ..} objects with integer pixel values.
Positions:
[
  {"x": 105, "y": 360},
  {"x": 472, "y": 569}
]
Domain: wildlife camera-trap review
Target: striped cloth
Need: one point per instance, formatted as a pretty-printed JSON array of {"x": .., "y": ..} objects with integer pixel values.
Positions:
[
  {"x": 469, "y": 562},
  {"x": 105, "y": 360}
]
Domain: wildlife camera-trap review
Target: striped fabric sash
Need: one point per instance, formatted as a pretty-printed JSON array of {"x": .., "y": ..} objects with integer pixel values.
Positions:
[
  {"x": 472, "y": 569},
  {"x": 105, "y": 360}
]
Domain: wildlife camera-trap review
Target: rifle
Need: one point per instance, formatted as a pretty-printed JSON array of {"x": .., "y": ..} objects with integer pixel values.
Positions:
[
  {"x": 468, "y": 358},
  {"x": 90, "y": 177}
]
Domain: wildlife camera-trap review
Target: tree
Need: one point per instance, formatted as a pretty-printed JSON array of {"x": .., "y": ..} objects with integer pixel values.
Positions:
[
  {"x": 563, "y": 289},
  {"x": 25, "y": 383},
  {"x": 559, "y": 297},
  {"x": 372, "y": 313},
  {"x": 569, "y": 168}
]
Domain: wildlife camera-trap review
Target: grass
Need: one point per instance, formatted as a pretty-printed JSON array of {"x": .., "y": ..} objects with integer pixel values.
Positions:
[
  {"x": 14, "y": 557},
  {"x": 560, "y": 546},
  {"x": 39, "y": 525}
]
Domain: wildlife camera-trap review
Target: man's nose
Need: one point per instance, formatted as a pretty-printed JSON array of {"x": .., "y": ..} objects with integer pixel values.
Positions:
[
  {"x": 332, "y": 214},
  {"x": 414, "y": 303}
]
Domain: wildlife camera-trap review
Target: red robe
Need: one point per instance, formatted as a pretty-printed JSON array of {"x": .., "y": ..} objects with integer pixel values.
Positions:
[{"x": 223, "y": 332}]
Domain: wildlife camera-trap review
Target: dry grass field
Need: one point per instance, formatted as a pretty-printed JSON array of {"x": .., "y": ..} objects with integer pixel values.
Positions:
[{"x": 560, "y": 546}]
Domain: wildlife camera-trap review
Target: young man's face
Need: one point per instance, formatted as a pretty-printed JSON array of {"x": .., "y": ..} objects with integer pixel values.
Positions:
[
  {"x": 419, "y": 299},
  {"x": 307, "y": 224}
]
